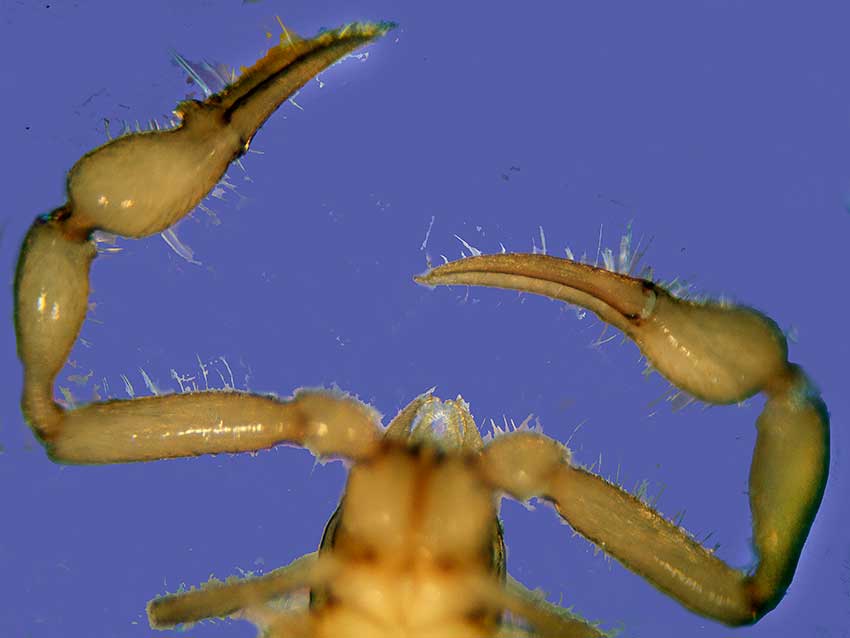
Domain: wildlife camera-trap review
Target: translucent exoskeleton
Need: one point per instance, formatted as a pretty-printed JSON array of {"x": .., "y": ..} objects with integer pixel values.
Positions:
[{"x": 415, "y": 547}]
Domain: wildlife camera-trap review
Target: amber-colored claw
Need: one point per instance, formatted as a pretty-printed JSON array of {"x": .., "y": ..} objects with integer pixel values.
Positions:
[
  {"x": 138, "y": 185},
  {"x": 249, "y": 101},
  {"x": 717, "y": 353}
]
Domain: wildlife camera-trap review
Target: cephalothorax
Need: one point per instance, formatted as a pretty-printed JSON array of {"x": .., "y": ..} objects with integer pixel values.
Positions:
[{"x": 415, "y": 548}]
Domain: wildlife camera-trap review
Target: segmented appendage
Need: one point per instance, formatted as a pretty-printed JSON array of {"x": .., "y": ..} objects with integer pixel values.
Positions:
[
  {"x": 717, "y": 352},
  {"x": 137, "y": 185}
]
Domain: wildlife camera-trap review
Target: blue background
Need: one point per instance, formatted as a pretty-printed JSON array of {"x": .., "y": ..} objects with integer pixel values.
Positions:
[{"x": 721, "y": 128}]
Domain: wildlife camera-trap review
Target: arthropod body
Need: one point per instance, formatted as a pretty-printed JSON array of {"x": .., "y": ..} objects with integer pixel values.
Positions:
[{"x": 415, "y": 548}]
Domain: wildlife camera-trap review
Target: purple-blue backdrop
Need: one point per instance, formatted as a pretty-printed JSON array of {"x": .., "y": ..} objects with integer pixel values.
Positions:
[{"x": 722, "y": 129}]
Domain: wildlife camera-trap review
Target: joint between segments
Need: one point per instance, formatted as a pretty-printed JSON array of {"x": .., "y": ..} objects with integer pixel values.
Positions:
[{"x": 649, "y": 304}]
